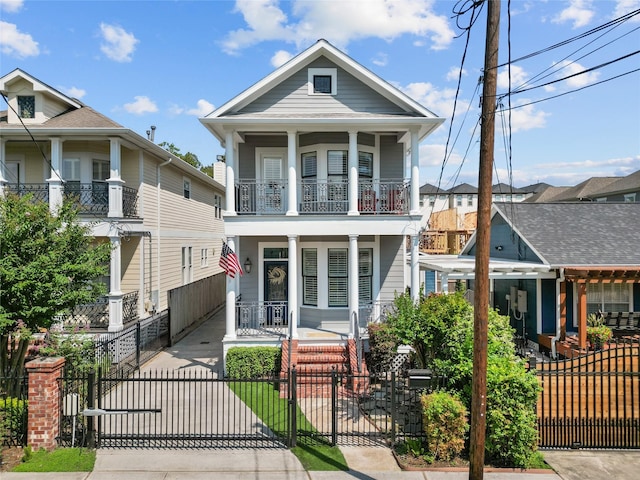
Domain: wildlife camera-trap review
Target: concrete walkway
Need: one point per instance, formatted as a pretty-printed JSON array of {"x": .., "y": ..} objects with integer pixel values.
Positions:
[{"x": 202, "y": 349}]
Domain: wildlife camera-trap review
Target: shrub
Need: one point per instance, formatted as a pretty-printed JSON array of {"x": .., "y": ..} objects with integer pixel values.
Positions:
[
  {"x": 383, "y": 346},
  {"x": 13, "y": 418},
  {"x": 445, "y": 424},
  {"x": 253, "y": 362},
  {"x": 78, "y": 350}
]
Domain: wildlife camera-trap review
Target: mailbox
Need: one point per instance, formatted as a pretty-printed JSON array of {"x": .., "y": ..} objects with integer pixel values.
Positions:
[{"x": 420, "y": 377}]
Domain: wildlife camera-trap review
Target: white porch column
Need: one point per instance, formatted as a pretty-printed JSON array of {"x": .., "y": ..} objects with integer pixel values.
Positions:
[
  {"x": 415, "y": 267},
  {"x": 444, "y": 282},
  {"x": 292, "y": 155},
  {"x": 230, "y": 330},
  {"x": 353, "y": 173},
  {"x": 115, "y": 181},
  {"x": 3, "y": 173},
  {"x": 293, "y": 284},
  {"x": 55, "y": 181},
  {"x": 415, "y": 174},
  {"x": 354, "y": 283},
  {"x": 230, "y": 191},
  {"x": 115, "y": 294}
]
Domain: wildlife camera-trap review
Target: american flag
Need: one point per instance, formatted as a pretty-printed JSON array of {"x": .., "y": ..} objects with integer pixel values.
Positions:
[{"x": 229, "y": 261}]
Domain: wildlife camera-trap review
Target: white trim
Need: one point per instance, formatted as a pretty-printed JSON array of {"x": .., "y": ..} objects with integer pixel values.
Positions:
[{"x": 325, "y": 72}]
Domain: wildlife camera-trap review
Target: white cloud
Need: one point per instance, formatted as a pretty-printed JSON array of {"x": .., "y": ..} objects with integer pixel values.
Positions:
[
  {"x": 624, "y": 7},
  {"x": 580, "y": 12},
  {"x": 438, "y": 101},
  {"x": 203, "y": 108},
  {"x": 381, "y": 60},
  {"x": 74, "y": 92},
  {"x": 11, "y": 6},
  {"x": 567, "y": 68},
  {"x": 118, "y": 44},
  {"x": 280, "y": 58},
  {"x": 141, "y": 105},
  {"x": 338, "y": 22},
  {"x": 523, "y": 118},
  {"x": 15, "y": 43},
  {"x": 454, "y": 73},
  {"x": 518, "y": 77},
  {"x": 432, "y": 155}
]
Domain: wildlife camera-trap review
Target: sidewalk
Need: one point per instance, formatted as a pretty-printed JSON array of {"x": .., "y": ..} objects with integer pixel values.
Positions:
[{"x": 202, "y": 349}]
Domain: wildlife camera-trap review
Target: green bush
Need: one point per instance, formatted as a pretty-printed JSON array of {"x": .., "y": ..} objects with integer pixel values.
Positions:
[
  {"x": 78, "y": 350},
  {"x": 444, "y": 419},
  {"x": 253, "y": 362},
  {"x": 383, "y": 346},
  {"x": 13, "y": 417}
]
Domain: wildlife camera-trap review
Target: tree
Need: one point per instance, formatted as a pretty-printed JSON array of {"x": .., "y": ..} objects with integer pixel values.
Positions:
[
  {"x": 49, "y": 263},
  {"x": 190, "y": 158}
]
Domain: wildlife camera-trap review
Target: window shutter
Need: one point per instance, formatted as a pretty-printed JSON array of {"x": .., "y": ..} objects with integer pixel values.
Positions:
[
  {"x": 337, "y": 162},
  {"x": 310, "y": 276},
  {"x": 338, "y": 277},
  {"x": 309, "y": 164}
]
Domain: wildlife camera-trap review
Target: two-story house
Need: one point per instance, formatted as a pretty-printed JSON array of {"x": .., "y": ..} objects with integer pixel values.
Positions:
[
  {"x": 162, "y": 217},
  {"x": 322, "y": 161}
]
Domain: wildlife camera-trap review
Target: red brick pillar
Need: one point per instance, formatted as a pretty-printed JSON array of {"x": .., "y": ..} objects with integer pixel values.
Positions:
[{"x": 43, "y": 424}]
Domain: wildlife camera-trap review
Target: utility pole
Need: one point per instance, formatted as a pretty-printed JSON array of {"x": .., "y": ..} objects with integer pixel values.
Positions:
[{"x": 483, "y": 242}]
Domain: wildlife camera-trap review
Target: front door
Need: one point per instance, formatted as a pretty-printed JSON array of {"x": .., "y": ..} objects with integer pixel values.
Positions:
[{"x": 276, "y": 291}]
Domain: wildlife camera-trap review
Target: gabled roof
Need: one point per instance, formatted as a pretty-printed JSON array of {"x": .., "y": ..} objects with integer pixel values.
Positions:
[
  {"x": 428, "y": 189},
  {"x": 464, "y": 188},
  {"x": 503, "y": 188},
  {"x": 413, "y": 112},
  {"x": 535, "y": 187},
  {"x": 38, "y": 86},
  {"x": 581, "y": 234},
  {"x": 585, "y": 190},
  {"x": 630, "y": 183}
]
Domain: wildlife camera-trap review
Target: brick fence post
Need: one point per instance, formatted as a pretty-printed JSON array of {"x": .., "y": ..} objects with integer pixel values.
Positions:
[{"x": 43, "y": 425}]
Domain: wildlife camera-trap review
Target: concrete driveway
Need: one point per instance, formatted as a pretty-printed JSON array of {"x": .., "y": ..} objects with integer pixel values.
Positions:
[{"x": 595, "y": 464}]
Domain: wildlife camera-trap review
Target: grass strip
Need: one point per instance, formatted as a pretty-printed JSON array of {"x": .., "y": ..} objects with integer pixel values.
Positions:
[
  {"x": 59, "y": 460},
  {"x": 313, "y": 451}
]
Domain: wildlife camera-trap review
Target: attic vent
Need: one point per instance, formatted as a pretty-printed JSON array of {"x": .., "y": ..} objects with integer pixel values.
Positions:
[{"x": 323, "y": 81}]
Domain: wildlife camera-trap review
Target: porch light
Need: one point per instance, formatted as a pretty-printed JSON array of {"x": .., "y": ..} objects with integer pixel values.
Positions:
[{"x": 247, "y": 265}]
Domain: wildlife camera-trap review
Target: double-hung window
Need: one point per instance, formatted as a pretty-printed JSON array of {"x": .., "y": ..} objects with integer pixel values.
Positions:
[
  {"x": 365, "y": 274},
  {"x": 310, "y": 276},
  {"x": 338, "y": 269}
]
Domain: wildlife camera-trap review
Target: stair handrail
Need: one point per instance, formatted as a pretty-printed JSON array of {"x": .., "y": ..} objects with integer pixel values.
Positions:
[{"x": 355, "y": 327}]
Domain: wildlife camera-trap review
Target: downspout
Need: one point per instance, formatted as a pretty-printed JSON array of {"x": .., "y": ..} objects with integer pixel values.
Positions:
[
  {"x": 157, "y": 307},
  {"x": 559, "y": 281}
]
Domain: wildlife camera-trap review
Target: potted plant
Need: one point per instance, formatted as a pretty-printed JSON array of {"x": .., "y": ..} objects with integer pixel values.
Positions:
[{"x": 598, "y": 334}]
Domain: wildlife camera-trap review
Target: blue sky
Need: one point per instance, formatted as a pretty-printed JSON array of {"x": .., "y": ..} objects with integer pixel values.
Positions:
[{"x": 166, "y": 63}]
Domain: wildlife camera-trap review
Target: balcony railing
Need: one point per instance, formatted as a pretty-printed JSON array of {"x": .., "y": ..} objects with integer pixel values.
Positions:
[
  {"x": 262, "y": 318},
  {"x": 322, "y": 197},
  {"x": 96, "y": 315},
  {"x": 91, "y": 198}
]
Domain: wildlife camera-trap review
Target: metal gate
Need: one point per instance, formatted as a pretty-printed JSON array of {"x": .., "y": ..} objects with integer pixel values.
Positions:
[{"x": 195, "y": 409}]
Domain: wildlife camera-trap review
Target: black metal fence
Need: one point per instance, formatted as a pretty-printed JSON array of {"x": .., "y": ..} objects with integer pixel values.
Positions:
[
  {"x": 13, "y": 412},
  {"x": 592, "y": 401}
]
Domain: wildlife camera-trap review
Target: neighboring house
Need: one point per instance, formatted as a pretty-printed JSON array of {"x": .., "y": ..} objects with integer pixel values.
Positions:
[
  {"x": 322, "y": 192},
  {"x": 162, "y": 216},
  {"x": 554, "y": 263},
  {"x": 594, "y": 189}
]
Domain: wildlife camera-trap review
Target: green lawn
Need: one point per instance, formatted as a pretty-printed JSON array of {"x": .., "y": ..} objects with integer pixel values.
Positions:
[
  {"x": 314, "y": 452},
  {"x": 59, "y": 460}
]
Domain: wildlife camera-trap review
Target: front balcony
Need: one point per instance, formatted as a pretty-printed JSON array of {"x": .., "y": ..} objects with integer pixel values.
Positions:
[
  {"x": 96, "y": 315},
  {"x": 91, "y": 198},
  {"x": 322, "y": 197}
]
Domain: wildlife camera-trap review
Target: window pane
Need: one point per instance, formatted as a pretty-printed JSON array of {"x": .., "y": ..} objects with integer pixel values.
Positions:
[
  {"x": 365, "y": 164},
  {"x": 309, "y": 164},
  {"x": 309, "y": 261},
  {"x": 338, "y": 262},
  {"x": 276, "y": 253},
  {"x": 310, "y": 291},
  {"x": 322, "y": 83},
  {"x": 338, "y": 291},
  {"x": 337, "y": 162},
  {"x": 27, "y": 106}
]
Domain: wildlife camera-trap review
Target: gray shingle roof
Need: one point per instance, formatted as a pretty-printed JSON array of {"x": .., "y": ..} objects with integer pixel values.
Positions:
[
  {"x": 579, "y": 234},
  {"x": 463, "y": 188},
  {"x": 630, "y": 183},
  {"x": 428, "y": 189}
]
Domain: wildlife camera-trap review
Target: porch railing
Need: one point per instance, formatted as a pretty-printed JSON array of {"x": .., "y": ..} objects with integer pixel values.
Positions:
[
  {"x": 262, "y": 318},
  {"x": 373, "y": 312},
  {"x": 323, "y": 197},
  {"x": 91, "y": 198},
  {"x": 96, "y": 315}
]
